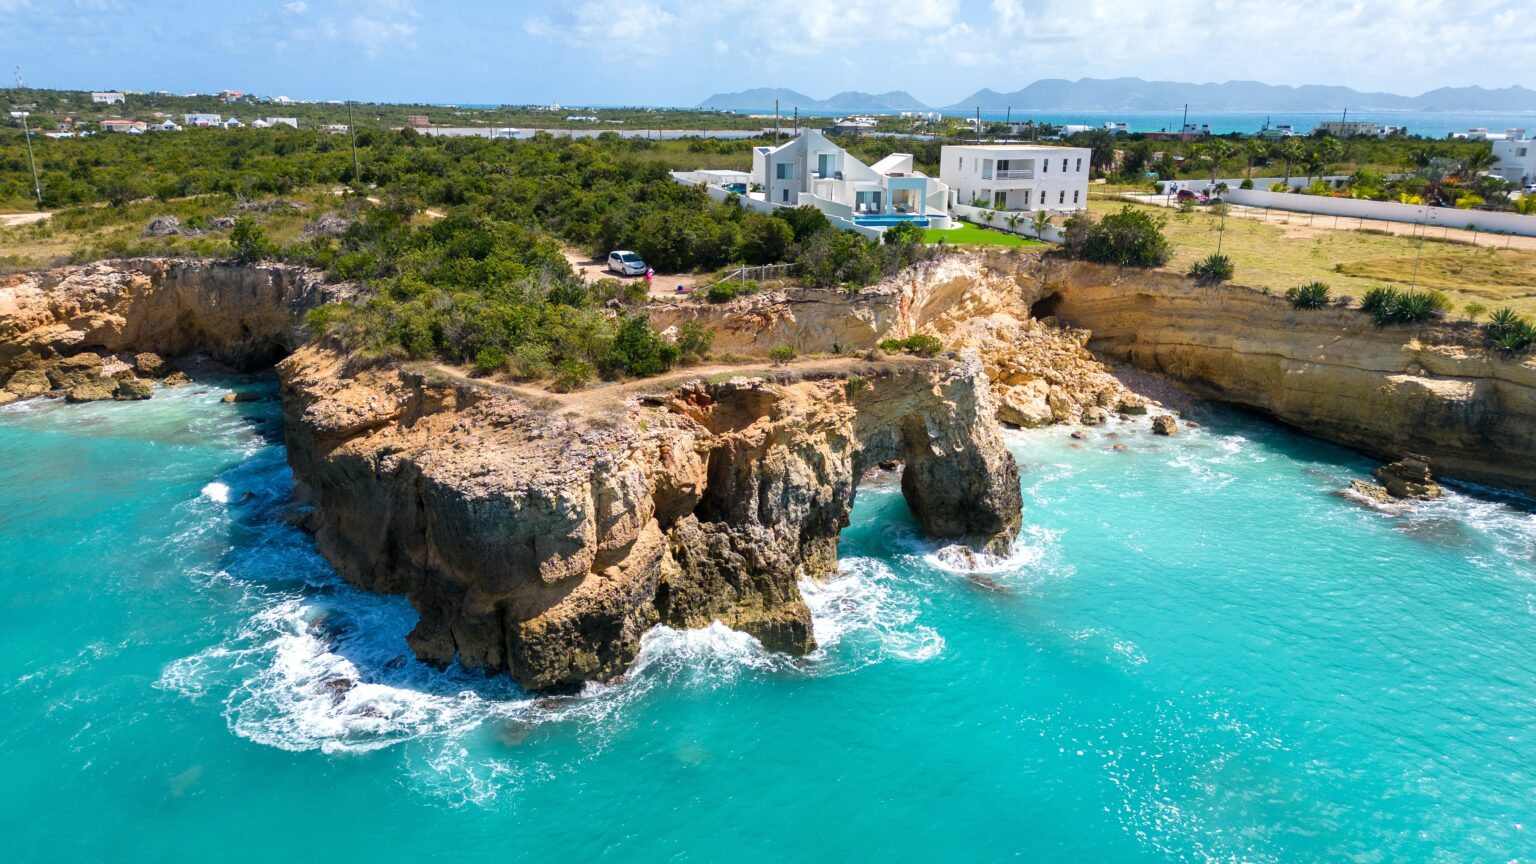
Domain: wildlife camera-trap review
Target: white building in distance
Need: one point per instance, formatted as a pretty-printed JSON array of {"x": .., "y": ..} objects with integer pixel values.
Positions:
[
  {"x": 811, "y": 170},
  {"x": 1515, "y": 159},
  {"x": 109, "y": 97},
  {"x": 1017, "y": 176}
]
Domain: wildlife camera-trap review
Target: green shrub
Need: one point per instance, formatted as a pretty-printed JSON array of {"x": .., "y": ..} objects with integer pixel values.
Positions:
[
  {"x": 530, "y": 360},
  {"x": 638, "y": 350},
  {"x": 694, "y": 339},
  {"x": 490, "y": 359},
  {"x": 1314, "y": 295},
  {"x": 1509, "y": 332},
  {"x": 1212, "y": 269},
  {"x": 1391, "y": 306},
  {"x": 1129, "y": 238},
  {"x": 1475, "y": 310},
  {"x": 721, "y": 292},
  {"x": 248, "y": 241},
  {"x": 921, "y": 344},
  {"x": 572, "y": 375},
  {"x": 782, "y": 354},
  {"x": 903, "y": 234}
]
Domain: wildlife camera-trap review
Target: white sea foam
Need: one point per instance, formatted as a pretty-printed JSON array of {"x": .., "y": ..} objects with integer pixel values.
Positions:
[
  {"x": 860, "y": 617},
  {"x": 217, "y": 491}
]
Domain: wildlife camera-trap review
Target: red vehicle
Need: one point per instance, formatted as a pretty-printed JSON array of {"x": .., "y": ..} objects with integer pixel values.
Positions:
[{"x": 1190, "y": 195}]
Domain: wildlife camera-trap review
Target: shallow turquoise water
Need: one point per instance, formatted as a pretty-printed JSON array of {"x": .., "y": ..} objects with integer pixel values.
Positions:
[{"x": 1200, "y": 653}]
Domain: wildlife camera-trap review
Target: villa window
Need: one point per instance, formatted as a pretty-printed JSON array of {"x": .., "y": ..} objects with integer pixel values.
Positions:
[
  {"x": 1079, "y": 166},
  {"x": 1063, "y": 166},
  {"x": 784, "y": 171},
  {"x": 1074, "y": 196},
  {"x": 824, "y": 162},
  {"x": 785, "y": 194},
  {"x": 1045, "y": 166},
  {"x": 1062, "y": 199}
]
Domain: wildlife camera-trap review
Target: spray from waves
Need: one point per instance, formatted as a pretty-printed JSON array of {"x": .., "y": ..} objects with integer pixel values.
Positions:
[{"x": 862, "y": 617}]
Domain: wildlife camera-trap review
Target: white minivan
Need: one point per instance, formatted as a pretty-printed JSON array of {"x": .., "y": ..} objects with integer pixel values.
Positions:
[{"x": 626, "y": 264}]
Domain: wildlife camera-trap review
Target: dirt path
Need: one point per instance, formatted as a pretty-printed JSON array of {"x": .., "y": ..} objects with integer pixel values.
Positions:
[
  {"x": 609, "y": 395},
  {"x": 11, "y": 220}
]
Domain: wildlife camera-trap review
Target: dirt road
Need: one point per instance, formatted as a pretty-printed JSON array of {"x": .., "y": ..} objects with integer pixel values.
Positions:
[
  {"x": 11, "y": 220},
  {"x": 592, "y": 269}
]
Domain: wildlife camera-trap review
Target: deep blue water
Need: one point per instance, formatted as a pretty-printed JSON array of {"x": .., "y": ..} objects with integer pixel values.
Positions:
[{"x": 1200, "y": 652}]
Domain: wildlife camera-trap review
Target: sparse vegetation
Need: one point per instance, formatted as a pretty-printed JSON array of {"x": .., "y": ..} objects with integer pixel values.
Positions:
[
  {"x": 920, "y": 344},
  {"x": 1509, "y": 332},
  {"x": 1130, "y": 238},
  {"x": 1391, "y": 306},
  {"x": 1313, "y": 295},
  {"x": 1212, "y": 269},
  {"x": 782, "y": 354}
]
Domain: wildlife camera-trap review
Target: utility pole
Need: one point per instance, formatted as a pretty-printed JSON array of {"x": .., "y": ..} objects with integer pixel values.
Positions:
[
  {"x": 775, "y": 121},
  {"x": 26, "y": 133},
  {"x": 357, "y": 175},
  {"x": 797, "y": 121},
  {"x": 978, "y": 124},
  {"x": 1185, "y": 124},
  {"x": 1418, "y": 251}
]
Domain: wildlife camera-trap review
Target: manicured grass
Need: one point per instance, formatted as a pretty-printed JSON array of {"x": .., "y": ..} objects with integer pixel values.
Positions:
[
  {"x": 1277, "y": 257},
  {"x": 972, "y": 235}
]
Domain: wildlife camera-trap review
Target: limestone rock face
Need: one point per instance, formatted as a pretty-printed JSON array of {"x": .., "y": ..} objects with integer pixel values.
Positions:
[
  {"x": 26, "y": 383},
  {"x": 1430, "y": 389},
  {"x": 243, "y": 315},
  {"x": 133, "y": 389},
  {"x": 150, "y": 364},
  {"x": 543, "y": 545}
]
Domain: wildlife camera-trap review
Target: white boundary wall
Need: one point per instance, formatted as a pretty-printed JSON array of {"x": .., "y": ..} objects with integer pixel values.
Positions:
[
  {"x": 1387, "y": 211},
  {"x": 1026, "y": 226}
]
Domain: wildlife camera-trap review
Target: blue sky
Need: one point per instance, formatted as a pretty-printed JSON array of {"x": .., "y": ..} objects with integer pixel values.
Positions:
[{"x": 677, "y": 52}]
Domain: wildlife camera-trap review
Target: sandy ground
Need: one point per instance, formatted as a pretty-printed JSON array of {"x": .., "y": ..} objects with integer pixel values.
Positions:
[
  {"x": 608, "y": 395},
  {"x": 11, "y": 220},
  {"x": 663, "y": 285},
  {"x": 1308, "y": 225}
]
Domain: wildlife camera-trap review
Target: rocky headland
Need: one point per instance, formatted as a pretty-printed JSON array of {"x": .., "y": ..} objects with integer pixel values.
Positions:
[{"x": 541, "y": 535}]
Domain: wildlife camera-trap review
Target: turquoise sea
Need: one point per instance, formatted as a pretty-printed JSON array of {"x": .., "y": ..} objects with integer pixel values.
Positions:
[{"x": 1200, "y": 652}]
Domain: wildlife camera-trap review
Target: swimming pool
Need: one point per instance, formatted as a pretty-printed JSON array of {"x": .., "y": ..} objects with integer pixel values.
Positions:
[{"x": 892, "y": 219}]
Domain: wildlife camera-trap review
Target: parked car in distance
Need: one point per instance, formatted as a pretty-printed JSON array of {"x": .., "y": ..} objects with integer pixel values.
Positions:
[
  {"x": 1190, "y": 195},
  {"x": 1530, "y": 188},
  {"x": 626, "y": 264}
]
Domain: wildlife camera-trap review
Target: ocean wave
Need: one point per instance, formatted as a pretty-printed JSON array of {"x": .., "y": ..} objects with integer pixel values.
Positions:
[{"x": 861, "y": 617}]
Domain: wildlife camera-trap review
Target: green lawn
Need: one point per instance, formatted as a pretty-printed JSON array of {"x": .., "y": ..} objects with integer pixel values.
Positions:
[{"x": 972, "y": 235}]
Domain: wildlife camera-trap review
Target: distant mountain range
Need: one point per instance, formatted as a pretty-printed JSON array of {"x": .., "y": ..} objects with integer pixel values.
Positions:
[
  {"x": 762, "y": 98},
  {"x": 1134, "y": 94}
]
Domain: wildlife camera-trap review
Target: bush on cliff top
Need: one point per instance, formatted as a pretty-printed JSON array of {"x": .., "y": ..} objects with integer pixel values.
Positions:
[
  {"x": 1313, "y": 295},
  {"x": 1129, "y": 238},
  {"x": 921, "y": 344},
  {"x": 1212, "y": 269}
]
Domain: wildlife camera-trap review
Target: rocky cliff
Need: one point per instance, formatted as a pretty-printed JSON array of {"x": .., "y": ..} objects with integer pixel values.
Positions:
[
  {"x": 1429, "y": 390},
  {"x": 544, "y": 543},
  {"x": 244, "y": 315}
]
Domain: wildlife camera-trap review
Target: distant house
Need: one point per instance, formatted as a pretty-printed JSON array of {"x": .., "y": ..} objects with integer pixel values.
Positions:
[
  {"x": 166, "y": 125},
  {"x": 131, "y": 126},
  {"x": 201, "y": 120},
  {"x": 109, "y": 97},
  {"x": 853, "y": 126},
  {"x": 1275, "y": 133},
  {"x": 283, "y": 121},
  {"x": 336, "y": 128},
  {"x": 418, "y": 120},
  {"x": 1356, "y": 129},
  {"x": 233, "y": 123},
  {"x": 1017, "y": 177},
  {"x": 231, "y": 96},
  {"x": 1515, "y": 158}
]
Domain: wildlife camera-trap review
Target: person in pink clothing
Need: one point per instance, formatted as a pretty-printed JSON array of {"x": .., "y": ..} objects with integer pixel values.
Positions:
[{"x": 650, "y": 274}]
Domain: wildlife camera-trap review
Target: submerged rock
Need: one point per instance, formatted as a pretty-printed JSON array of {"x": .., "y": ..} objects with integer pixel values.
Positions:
[
  {"x": 175, "y": 379},
  {"x": 1165, "y": 424},
  {"x": 241, "y": 396}
]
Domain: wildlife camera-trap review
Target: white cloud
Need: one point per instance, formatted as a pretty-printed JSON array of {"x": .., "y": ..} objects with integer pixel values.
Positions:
[
  {"x": 298, "y": 7},
  {"x": 721, "y": 47},
  {"x": 642, "y": 27}
]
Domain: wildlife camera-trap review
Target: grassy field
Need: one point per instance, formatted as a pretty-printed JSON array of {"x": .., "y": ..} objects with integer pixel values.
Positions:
[
  {"x": 1350, "y": 262},
  {"x": 972, "y": 235}
]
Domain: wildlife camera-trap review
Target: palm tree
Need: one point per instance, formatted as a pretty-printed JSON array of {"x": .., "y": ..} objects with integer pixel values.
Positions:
[
  {"x": 1314, "y": 164},
  {"x": 1476, "y": 162},
  {"x": 1215, "y": 153},
  {"x": 1329, "y": 151},
  {"x": 1041, "y": 222},
  {"x": 1255, "y": 149},
  {"x": 1013, "y": 222},
  {"x": 1292, "y": 151}
]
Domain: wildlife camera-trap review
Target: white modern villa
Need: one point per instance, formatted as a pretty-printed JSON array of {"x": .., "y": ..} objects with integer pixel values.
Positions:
[
  {"x": 811, "y": 170},
  {"x": 1515, "y": 157},
  {"x": 1017, "y": 176}
]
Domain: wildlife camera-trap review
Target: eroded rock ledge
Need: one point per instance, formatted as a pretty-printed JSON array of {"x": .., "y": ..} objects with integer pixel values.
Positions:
[{"x": 543, "y": 544}]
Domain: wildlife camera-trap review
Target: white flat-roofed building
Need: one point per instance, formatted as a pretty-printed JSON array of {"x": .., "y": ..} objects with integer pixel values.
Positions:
[
  {"x": 108, "y": 97},
  {"x": 1515, "y": 158},
  {"x": 1017, "y": 176}
]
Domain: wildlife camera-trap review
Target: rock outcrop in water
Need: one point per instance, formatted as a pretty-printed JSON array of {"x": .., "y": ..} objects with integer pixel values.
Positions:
[{"x": 544, "y": 543}]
